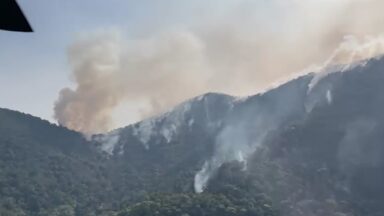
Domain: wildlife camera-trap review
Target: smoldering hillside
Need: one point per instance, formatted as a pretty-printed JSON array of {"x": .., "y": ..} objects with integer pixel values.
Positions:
[
  {"x": 311, "y": 149},
  {"x": 241, "y": 52},
  {"x": 300, "y": 149}
]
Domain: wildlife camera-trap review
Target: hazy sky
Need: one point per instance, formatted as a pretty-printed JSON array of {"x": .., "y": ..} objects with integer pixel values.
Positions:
[
  {"x": 117, "y": 61},
  {"x": 34, "y": 67}
]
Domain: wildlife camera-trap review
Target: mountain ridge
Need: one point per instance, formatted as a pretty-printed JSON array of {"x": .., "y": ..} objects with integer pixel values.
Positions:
[{"x": 298, "y": 150}]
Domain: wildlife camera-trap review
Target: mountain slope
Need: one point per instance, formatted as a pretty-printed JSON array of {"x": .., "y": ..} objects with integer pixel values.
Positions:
[
  {"x": 337, "y": 149},
  {"x": 45, "y": 168},
  {"x": 318, "y": 123},
  {"x": 312, "y": 146},
  {"x": 50, "y": 170}
]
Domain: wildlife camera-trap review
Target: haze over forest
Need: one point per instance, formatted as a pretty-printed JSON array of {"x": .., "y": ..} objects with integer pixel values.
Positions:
[{"x": 193, "y": 108}]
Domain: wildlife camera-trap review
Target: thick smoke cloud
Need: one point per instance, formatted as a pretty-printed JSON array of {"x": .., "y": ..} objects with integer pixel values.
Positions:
[
  {"x": 165, "y": 70},
  {"x": 242, "y": 52},
  {"x": 95, "y": 65}
]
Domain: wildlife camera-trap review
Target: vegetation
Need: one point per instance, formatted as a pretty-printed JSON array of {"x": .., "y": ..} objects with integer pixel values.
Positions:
[
  {"x": 195, "y": 205},
  {"x": 46, "y": 170},
  {"x": 328, "y": 161},
  {"x": 231, "y": 193}
]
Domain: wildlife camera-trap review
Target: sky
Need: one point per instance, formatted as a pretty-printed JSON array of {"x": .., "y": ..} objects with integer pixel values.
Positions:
[
  {"x": 34, "y": 66},
  {"x": 94, "y": 65}
]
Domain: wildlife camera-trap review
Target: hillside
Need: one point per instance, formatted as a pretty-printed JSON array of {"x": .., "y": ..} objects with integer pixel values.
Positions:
[
  {"x": 50, "y": 170},
  {"x": 45, "y": 167},
  {"x": 312, "y": 146}
]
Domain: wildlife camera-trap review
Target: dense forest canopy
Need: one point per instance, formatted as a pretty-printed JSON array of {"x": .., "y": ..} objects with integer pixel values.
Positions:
[{"x": 321, "y": 157}]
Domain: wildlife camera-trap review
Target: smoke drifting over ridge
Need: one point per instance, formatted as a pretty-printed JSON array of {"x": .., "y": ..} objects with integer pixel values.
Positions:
[{"x": 240, "y": 53}]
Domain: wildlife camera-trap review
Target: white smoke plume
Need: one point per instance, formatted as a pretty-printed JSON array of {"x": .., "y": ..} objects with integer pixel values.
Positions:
[
  {"x": 232, "y": 144},
  {"x": 351, "y": 52},
  {"x": 242, "y": 52},
  {"x": 246, "y": 131}
]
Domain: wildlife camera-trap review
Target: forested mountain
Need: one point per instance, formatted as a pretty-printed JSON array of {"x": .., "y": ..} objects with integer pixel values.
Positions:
[
  {"x": 310, "y": 147},
  {"x": 50, "y": 170}
]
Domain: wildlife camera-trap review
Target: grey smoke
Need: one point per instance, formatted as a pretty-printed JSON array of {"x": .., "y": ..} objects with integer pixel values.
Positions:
[
  {"x": 232, "y": 144},
  {"x": 95, "y": 64},
  {"x": 239, "y": 53},
  {"x": 247, "y": 127},
  {"x": 353, "y": 148}
]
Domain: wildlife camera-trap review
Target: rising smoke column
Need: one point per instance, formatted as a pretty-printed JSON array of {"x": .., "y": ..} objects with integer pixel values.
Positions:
[
  {"x": 108, "y": 71},
  {"x": 86, "y": 108},
  {"x": 241, "y": 53}
]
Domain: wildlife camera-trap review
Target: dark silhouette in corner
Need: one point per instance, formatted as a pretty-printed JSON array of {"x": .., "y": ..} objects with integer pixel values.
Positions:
[{"x": 12, "y": 17}]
